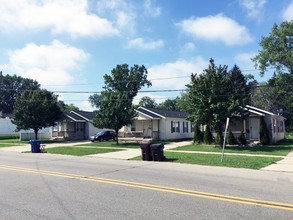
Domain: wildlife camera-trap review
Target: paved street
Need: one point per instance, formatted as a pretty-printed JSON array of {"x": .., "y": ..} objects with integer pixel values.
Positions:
[{"x": 44, "y": 186}]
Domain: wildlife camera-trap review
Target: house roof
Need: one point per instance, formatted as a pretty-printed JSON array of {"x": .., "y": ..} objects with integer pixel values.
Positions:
[
  {"x": 79, "y": 116},
  {"x": 161, "y": 113},
  {"x": 89, "y": 116},
  {"x": 261, "y": 111}
]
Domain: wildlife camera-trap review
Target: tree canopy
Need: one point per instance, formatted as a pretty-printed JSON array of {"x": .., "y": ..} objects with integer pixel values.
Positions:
[
  {"x": 277, "y": 49},
  {"x": 11, "y": 87},
  {"x": 217, "y": 94},
  {"x": 115, "y": 108},
  {"x": 67, "y": 107},
  {"x": 36, "y": 110},
  {"x": 147, "y": 102}
]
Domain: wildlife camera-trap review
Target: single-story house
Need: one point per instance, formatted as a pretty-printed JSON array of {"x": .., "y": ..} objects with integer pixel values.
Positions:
[
  {"x": 159, "y": 124},
  {"x": 251, "y": 125},
  {"x": 76, "y": 125}
]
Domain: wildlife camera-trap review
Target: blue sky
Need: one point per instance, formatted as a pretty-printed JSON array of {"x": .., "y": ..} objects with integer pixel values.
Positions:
[{"x": 68, "y": 45}]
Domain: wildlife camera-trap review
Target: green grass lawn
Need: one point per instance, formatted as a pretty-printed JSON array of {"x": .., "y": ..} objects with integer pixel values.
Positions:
[
  {"x": 215, "y": 160},
  {"x": 79, "y": 151},
  {"x": 282, "y": 148},
  {"x": 110, "y": 144}
]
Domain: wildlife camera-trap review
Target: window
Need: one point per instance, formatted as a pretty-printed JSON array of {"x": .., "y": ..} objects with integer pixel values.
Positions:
[
  {"x": 175, "y": 127},
  {"x": 185, "y": 127},
  {"x": 131, "y": 126},
  {"x": 79, "y": 126},
  {"x": 281, "y": 126},
  {"x": 192, "y": 127}
]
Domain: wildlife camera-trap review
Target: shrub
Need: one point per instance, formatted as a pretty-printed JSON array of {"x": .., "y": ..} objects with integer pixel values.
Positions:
[
  {"x": 198, "y": 136},
  {"x": 231, "y": 139},
  {"x": 207, "y": 136},
  {"x": 218, "y": 140},
  {"x": 264, "y": 133},
  {"x": 242, "y": 139}
]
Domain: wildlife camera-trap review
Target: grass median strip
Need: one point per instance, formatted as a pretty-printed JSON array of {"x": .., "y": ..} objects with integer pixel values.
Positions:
[
  {"x": 110, "y": 144},
  {"x": 215, "y": 160},
  {"x": 79, "y": 151}
]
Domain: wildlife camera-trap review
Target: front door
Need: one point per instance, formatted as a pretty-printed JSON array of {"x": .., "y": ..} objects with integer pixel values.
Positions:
[
  {"x": 254, "y": 128},
  {"x": 80, "y": 131}
]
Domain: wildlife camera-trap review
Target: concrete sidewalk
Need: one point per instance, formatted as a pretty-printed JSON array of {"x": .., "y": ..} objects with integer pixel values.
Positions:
[{"x": 285, "y": 165}]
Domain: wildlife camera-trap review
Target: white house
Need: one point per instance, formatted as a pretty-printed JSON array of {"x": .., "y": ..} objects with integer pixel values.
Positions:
[{"x": 159, "y": 124}]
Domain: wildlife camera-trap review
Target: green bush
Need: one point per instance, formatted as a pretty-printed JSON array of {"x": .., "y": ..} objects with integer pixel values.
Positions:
[
  {"x": 264, "y": 133},
  {"x": 207, "y": 135},
  {"x": 218, "y": 140},
  {"x": 231, "y": 139},
  {"x": 198, "y": 136},
  {"x": 242, "y": 139}
]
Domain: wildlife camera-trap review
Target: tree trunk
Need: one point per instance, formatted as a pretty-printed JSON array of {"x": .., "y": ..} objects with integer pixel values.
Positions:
[
  {"x": 36, "y": 133},
  {"x": 116, "y": 130}
]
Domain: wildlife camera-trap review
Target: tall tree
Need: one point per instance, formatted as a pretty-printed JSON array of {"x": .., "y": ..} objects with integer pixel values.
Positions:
[
  {"x": 217, "y": 94},
  {"x": 95, "y": 100},
  {"x": 277, "y": 49},
  {"x": 36, "y": 110},
  {"x": 116, "y": 109},
  {"x": 147, "y": 102},
  {"x": 67, "y": 107},
  {"x": 11, "y": 88}
]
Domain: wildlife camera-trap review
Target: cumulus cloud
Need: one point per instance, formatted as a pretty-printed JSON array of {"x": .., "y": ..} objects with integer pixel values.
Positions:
[
  {"x": 216, "y": 28},
  {"x": 150, "y": 9},
  {"x": 52, "y": 64},
  {"x": 288, "y": 13},
  {"x": 243, "y": 60},
  {"x": 175, "y": 75},
  {"x": 139, "y": 43},
  {"x": 67, "y": 16},
  {"x": 122, "y": 14},
  {"x": 253, "y": 8}
]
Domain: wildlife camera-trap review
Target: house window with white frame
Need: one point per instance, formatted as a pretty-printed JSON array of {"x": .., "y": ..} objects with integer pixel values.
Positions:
[
  {"x": 185, "y": 127},
  {"x": 192, "y": 127},
  {"x": 175, "y": 127}
]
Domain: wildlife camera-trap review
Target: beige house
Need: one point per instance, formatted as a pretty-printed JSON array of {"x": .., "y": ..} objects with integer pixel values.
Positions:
[
  {"x": 159, "y": 124},
  {"x": 251, "y": 125}
]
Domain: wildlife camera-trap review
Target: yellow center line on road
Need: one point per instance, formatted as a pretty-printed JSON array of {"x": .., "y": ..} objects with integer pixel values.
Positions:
[{"x": 213, "y": 196}]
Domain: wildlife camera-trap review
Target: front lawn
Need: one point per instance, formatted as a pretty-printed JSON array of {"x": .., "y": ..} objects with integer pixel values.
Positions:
[
  {"x": 110, "y": 144},
  {"x": 215, "y": 160},
  {"x": 79, "y": 151},
  {"x": 282, "y": 148}
]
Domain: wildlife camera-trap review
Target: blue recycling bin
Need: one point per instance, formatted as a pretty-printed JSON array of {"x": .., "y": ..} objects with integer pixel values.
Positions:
[{"x": 35, "y": 146}]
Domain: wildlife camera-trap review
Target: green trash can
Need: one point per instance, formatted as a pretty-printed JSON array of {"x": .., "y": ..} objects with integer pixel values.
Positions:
[{"x": 35, "y": 146}]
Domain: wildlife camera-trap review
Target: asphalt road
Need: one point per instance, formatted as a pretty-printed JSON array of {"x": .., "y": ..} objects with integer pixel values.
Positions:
[{"x": 44, "y": 186}]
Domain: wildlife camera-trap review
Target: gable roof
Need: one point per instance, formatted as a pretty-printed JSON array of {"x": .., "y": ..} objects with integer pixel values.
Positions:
[
  {"x": 261, "y": 111},
  {"x": 78, "y": 116},
  {"x": 161, "y": 113}
]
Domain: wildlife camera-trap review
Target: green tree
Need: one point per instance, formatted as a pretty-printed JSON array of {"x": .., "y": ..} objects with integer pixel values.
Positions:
[
  {"x": 36, "y": 110},
  {"x": 207, "y": 135},
  {"x": 116, "y": 109},
  {"x": 230, "y": 138},
  {"x": 217, "y": 94},
  {"x": 147, "y": 102},
  {"x": 95, "y": 100},
  {"x": 11, "y": 87},
  {"x": 277, "y": 49},
  {"x": 275, "y": 96},
  {"x": 67, "y": 107},
  {"x": 197, "y": 136},
  {"x": 263, "y": 132}
]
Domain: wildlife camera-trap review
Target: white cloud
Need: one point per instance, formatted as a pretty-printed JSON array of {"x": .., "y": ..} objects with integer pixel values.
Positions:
[
  {"x": 189, "y": 46},
  {"x": 122, "y": 14},
  {"x": 288, "y": 13},
  {"x": 175, "y": 75},
  {"x": 243, "y": 60},
  {"x": 53, "y": 64},
  {"x": 66, "y": 16},
  {"x": 139, "y": 43},
  {"x": 254, "y": 8},
  {"x": 151, "y": 9},
  {"x": 216, "y": 28}
]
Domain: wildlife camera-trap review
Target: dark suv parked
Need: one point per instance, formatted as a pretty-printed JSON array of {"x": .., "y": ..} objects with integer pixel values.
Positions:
[{"x": 103, "y": 135}]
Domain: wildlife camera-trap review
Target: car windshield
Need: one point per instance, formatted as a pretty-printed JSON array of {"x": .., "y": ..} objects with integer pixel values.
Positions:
[{"x": 100, "y": 133}]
